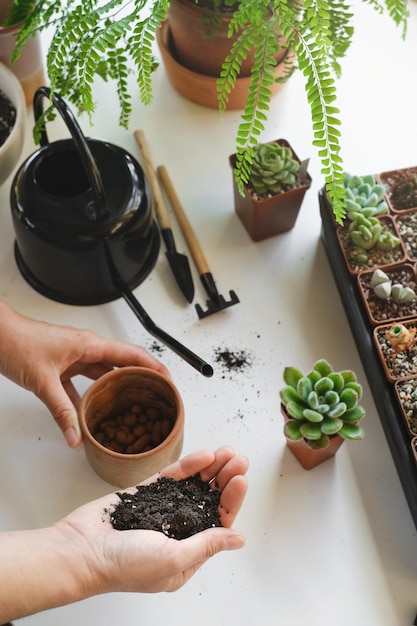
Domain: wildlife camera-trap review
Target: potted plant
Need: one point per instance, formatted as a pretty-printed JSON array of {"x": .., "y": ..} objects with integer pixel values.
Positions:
[
  {"x": 274, "y": 192},
  {"x": 370, "y": 242},
  {"x": 28, "y": 67},
  {"x": 321, "y": 410},
  {"x": 92, "y": 38},
  {"x": 390, "y": 295}
]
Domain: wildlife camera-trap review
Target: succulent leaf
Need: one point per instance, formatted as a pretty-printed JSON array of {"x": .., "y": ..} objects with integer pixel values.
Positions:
[
  {"x": 331, "y": 397},
  {"x": 304, "y": 388},
  {"x": 351, "y": 431},
  {"x": 288, "y": 394},
  {"x": 313, "y": 401},
  {"x": 312, "y": 416},
  {"x": 338, "y": 381},
  {"x": 338, "y": 410},
  {"x": 319, "y": 444},
  {"x": 323, "y": 385},
  {"x": 323, "y": 367},
  {"x": 292, "y": 430},
  {"x": 350, "y": 397},
  {"x": 310, "y": 430},
  {"x": 292, "y": 375},
  {"x": 354, "y": 415},
  {"x": 331, "y": 426},
  {"x": 295, "y": 410}
]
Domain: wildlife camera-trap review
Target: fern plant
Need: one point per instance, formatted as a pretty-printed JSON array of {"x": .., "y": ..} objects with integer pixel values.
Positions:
[{"x": 105, "y": 37}]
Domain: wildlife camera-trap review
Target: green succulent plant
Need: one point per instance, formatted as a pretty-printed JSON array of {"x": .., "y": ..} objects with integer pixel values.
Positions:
[
  {"x": 367, "y": 233},
  {"x": 364, "y": 195},
  {"x": 321, "y": 404},
  {"x": 273, "y": 169}
]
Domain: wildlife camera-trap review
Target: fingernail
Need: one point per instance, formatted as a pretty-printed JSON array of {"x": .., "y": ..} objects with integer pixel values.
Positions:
[{"x": 71, "y": 437}]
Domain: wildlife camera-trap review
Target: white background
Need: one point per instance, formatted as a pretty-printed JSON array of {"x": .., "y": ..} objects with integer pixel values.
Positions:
[{"x": 335, "y": 546}]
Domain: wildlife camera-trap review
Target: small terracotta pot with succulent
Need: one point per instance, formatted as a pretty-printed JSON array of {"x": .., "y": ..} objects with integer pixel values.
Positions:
[
  {"x": 389, "y": 296},
  {"x": 321, "y": 410},
  {"x": 274, "y": 192}
]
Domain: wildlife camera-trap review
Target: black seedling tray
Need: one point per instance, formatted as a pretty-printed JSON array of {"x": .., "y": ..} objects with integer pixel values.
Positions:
[{"x": 398, "y": 439}]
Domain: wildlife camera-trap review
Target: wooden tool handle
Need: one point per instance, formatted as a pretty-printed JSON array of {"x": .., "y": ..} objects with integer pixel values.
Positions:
[
  {"x": 159, "y": 204},
  {"x": 187, "y": 230}
]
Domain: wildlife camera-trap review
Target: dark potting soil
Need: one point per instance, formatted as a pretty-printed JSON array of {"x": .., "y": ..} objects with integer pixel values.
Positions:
[
  {"x": 7, "y": 117},
  {"x": 177, "y": 508}
]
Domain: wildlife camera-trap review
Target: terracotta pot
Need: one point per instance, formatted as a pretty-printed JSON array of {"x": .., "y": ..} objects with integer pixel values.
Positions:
[
  {"x": 29, "y": 66},
  {"x": 397, "y": 365},
  {"x": 200, "y": 50},
  {"x": 264, "y": 218},
  {"x": 381, "y": 311},
  {"x": 406, "y": 224},
  {"x": 11, "y": 149},
  {"x": 377, "y": 258},
  {"x": 307, "y": 457},
  {"x": 406, "y": 395},
  {"x": 133, "y": 397},
  {"x": 396, "y": 191},
  {"x": 200, "y": 88},
  {"x": 414, "y": 448}
]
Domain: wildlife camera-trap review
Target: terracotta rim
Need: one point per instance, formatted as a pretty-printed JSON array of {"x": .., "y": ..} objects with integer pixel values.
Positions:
[{"x": 114, "y": 374}]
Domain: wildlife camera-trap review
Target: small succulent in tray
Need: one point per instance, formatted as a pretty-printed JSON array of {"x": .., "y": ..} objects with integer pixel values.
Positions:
[
  {"x": 273, "y": 170},
  {"x": 364, "y": 196},
  {"x": 322, "y": 404}
]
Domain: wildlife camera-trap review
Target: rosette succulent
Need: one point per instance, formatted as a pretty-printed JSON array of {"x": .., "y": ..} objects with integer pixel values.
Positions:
[
  {"x": 364, "y": 195},
  {"x": 273, "y": 169},
  {"x": 321, "y": 404}
]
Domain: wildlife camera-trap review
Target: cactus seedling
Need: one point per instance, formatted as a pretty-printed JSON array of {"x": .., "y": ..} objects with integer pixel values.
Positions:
[
  {"x": 273, "y": 169},
  {"x": 400, "y": 337},
  {"x": 321, "y": 404}
]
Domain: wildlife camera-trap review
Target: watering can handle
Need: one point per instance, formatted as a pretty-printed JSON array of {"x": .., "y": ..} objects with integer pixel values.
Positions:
[{"x": 79, "y": 140}]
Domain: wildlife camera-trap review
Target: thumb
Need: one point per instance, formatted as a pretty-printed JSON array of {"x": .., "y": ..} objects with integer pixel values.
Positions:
[{"x": 65, "y": 414}]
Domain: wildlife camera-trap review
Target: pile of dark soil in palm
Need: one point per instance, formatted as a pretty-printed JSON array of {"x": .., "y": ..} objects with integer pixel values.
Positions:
[{"x": 177, "y": 508}]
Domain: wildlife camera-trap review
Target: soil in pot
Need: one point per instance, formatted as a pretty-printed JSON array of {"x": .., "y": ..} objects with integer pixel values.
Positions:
[
  {"x": 7, "y": 117},
  {"x": 407, "y": 229},
  {"x": 376, "y": 257},
  {"x": 399, "y": 362},
  {"x": 178, "y": 509},
  {"x": 406, "y": 392},
  {"x": 401, "y": 186},
  {"x": 384, "y": 311}
]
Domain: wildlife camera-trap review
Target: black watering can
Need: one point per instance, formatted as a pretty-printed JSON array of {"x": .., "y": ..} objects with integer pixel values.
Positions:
[{"x": 82, "y": 215}]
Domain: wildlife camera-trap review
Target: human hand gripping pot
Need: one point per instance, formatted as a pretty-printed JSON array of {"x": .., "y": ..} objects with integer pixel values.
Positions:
[
  {"x": 43, "y": 358},
  {"x": 83, "y": 555}
]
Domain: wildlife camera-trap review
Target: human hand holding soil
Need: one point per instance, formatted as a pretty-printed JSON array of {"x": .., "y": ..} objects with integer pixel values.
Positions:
[{"x": 83, "y": 555}]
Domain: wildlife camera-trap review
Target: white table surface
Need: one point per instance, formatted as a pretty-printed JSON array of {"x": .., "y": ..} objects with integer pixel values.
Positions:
[{"x": 333, "y": 546}]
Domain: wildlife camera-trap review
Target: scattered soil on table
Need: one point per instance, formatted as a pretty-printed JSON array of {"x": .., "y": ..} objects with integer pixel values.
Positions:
[
  {"x": 376, "y": 258},
  {"x": 407, "y": 228},
  {"x": 233, "y": 361},
  {"x": 386, "y": 310},
  {"x": 177, "y": 508},
  {"x": 7, "y": 117}
]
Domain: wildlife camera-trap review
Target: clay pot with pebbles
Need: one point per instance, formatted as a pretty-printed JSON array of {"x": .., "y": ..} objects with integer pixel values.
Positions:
[{"x": 132, "y": 421}]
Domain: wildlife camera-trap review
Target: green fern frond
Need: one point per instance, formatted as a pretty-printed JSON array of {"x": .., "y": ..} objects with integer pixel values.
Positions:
[{"x": 140, "y": 47}]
